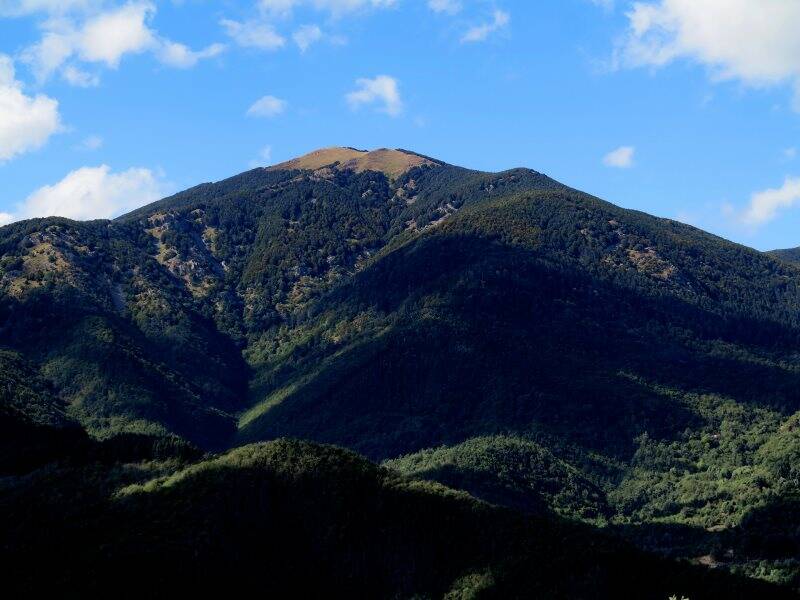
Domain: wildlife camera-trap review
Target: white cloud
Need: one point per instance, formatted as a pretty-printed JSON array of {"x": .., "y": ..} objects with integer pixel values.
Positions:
[
  {"x": 306, "y": 35},
  {"x": 382, "y": 90},
  {"x": 90, "y": 143},
  {"x": 621, "y": 158},
  {"x": 79, "y": 78},
  {"x": 106, "y": 37},
  {"x": 93, "y": 193},
  {"x": 253, "y": 34},
  {"x": 18, "y": 8},
  {"x": 336, "y": 7},
  {"x": 480, "y": 33},
  {"x": 268, "y": 106},
  {"x": 764, "y": 206},
  {"x": 179, "y": 56},
  {"x": 449, "y": 7},
  {"x": 753, "y": 41},
  {"x": 261, "y": 32},
  {"x": 264, "y": 158},
  {"x": 49, "y": 54},
  {"x": 6, "y": 218},
  {"x": 26, "y": 122}
]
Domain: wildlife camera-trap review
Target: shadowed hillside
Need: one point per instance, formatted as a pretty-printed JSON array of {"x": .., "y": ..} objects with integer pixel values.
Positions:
[{"x": 296, "y": 519}]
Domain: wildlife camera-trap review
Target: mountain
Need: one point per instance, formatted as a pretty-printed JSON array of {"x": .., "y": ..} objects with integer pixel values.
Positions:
[{"x": 499, "y": 333}]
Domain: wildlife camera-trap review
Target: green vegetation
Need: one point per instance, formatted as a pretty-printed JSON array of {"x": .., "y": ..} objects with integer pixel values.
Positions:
[
  {"x": 500, "y": 334},
  {"x": 790, "y": 255},
  {"x": 298, "y": 520},
  {"x": 510, "y": 471},
  {"x": 115, "y": 336}
]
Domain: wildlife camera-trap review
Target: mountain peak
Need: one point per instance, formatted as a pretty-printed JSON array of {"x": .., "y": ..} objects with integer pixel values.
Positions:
[{"x": 391, "y": 162}]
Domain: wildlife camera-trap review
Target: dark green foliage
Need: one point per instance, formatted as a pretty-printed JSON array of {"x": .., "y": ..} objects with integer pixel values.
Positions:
[
  {"x": 296, "y": 520},
  {"x": 790, "y": 255},
  {"x": 230, "y": 189},
  {"x": 114, "y": 335},
  {"x": 502, "y": 333},
  {"x": 34, "y": 428},
  {"x": 25, "y": 396},
  {"x": 481, "y": 326},
  {"x": 509, "y": 471}
]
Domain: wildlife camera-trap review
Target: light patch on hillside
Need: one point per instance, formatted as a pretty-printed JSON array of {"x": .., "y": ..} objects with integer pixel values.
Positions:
[{"x": 392, "y": 163}]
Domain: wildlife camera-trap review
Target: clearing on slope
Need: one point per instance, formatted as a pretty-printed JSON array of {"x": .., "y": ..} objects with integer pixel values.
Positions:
[{"x": 392, "y": 163}]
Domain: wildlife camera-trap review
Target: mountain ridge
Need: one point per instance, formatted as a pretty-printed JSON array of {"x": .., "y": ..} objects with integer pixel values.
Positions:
[{"x": 500, "y": 333}]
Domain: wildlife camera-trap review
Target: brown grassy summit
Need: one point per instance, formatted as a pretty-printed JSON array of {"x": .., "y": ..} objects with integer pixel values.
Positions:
[{"x": 391, "y": 162}]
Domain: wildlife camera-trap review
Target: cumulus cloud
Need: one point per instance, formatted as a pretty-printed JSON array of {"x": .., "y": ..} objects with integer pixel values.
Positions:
[
  {"x": 49, "y": 54},
  {"x": 26, "y": 122},
  {"x": 621, "y": 158},
  {"x": 752, "y": 42},
  {"x": 765, "y": 205},
  {"x": 268, "y": 106},
  {"x": 182, "y": 57},
  {"x": 382, "y": 91},
  {"x": 480, "y": 33},
  {"x": 93, "y": 193},
  {"x": 307, "y": 35},
  {"x": 105, "y": 37},
  {"x": 253, "y": 34},
  {"x": 449, "y": 7}
]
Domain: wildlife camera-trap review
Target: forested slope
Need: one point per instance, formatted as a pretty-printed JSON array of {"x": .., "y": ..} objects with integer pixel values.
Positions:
[
  {"x": 498, "y": 332},
  {"x": 296, "y": 520}
]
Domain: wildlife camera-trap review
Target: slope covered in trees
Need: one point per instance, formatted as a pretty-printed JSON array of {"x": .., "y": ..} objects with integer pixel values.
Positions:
[
  {"x": 499, "y": 333},
  {"x": 790, "y": 255},
  {"x": 119, "y": 340},
  {"x": 294, "y": 519}
]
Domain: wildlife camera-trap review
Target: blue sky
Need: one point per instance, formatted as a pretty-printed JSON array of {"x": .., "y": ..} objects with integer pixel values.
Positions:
[{"x": 686, "y": 109}]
